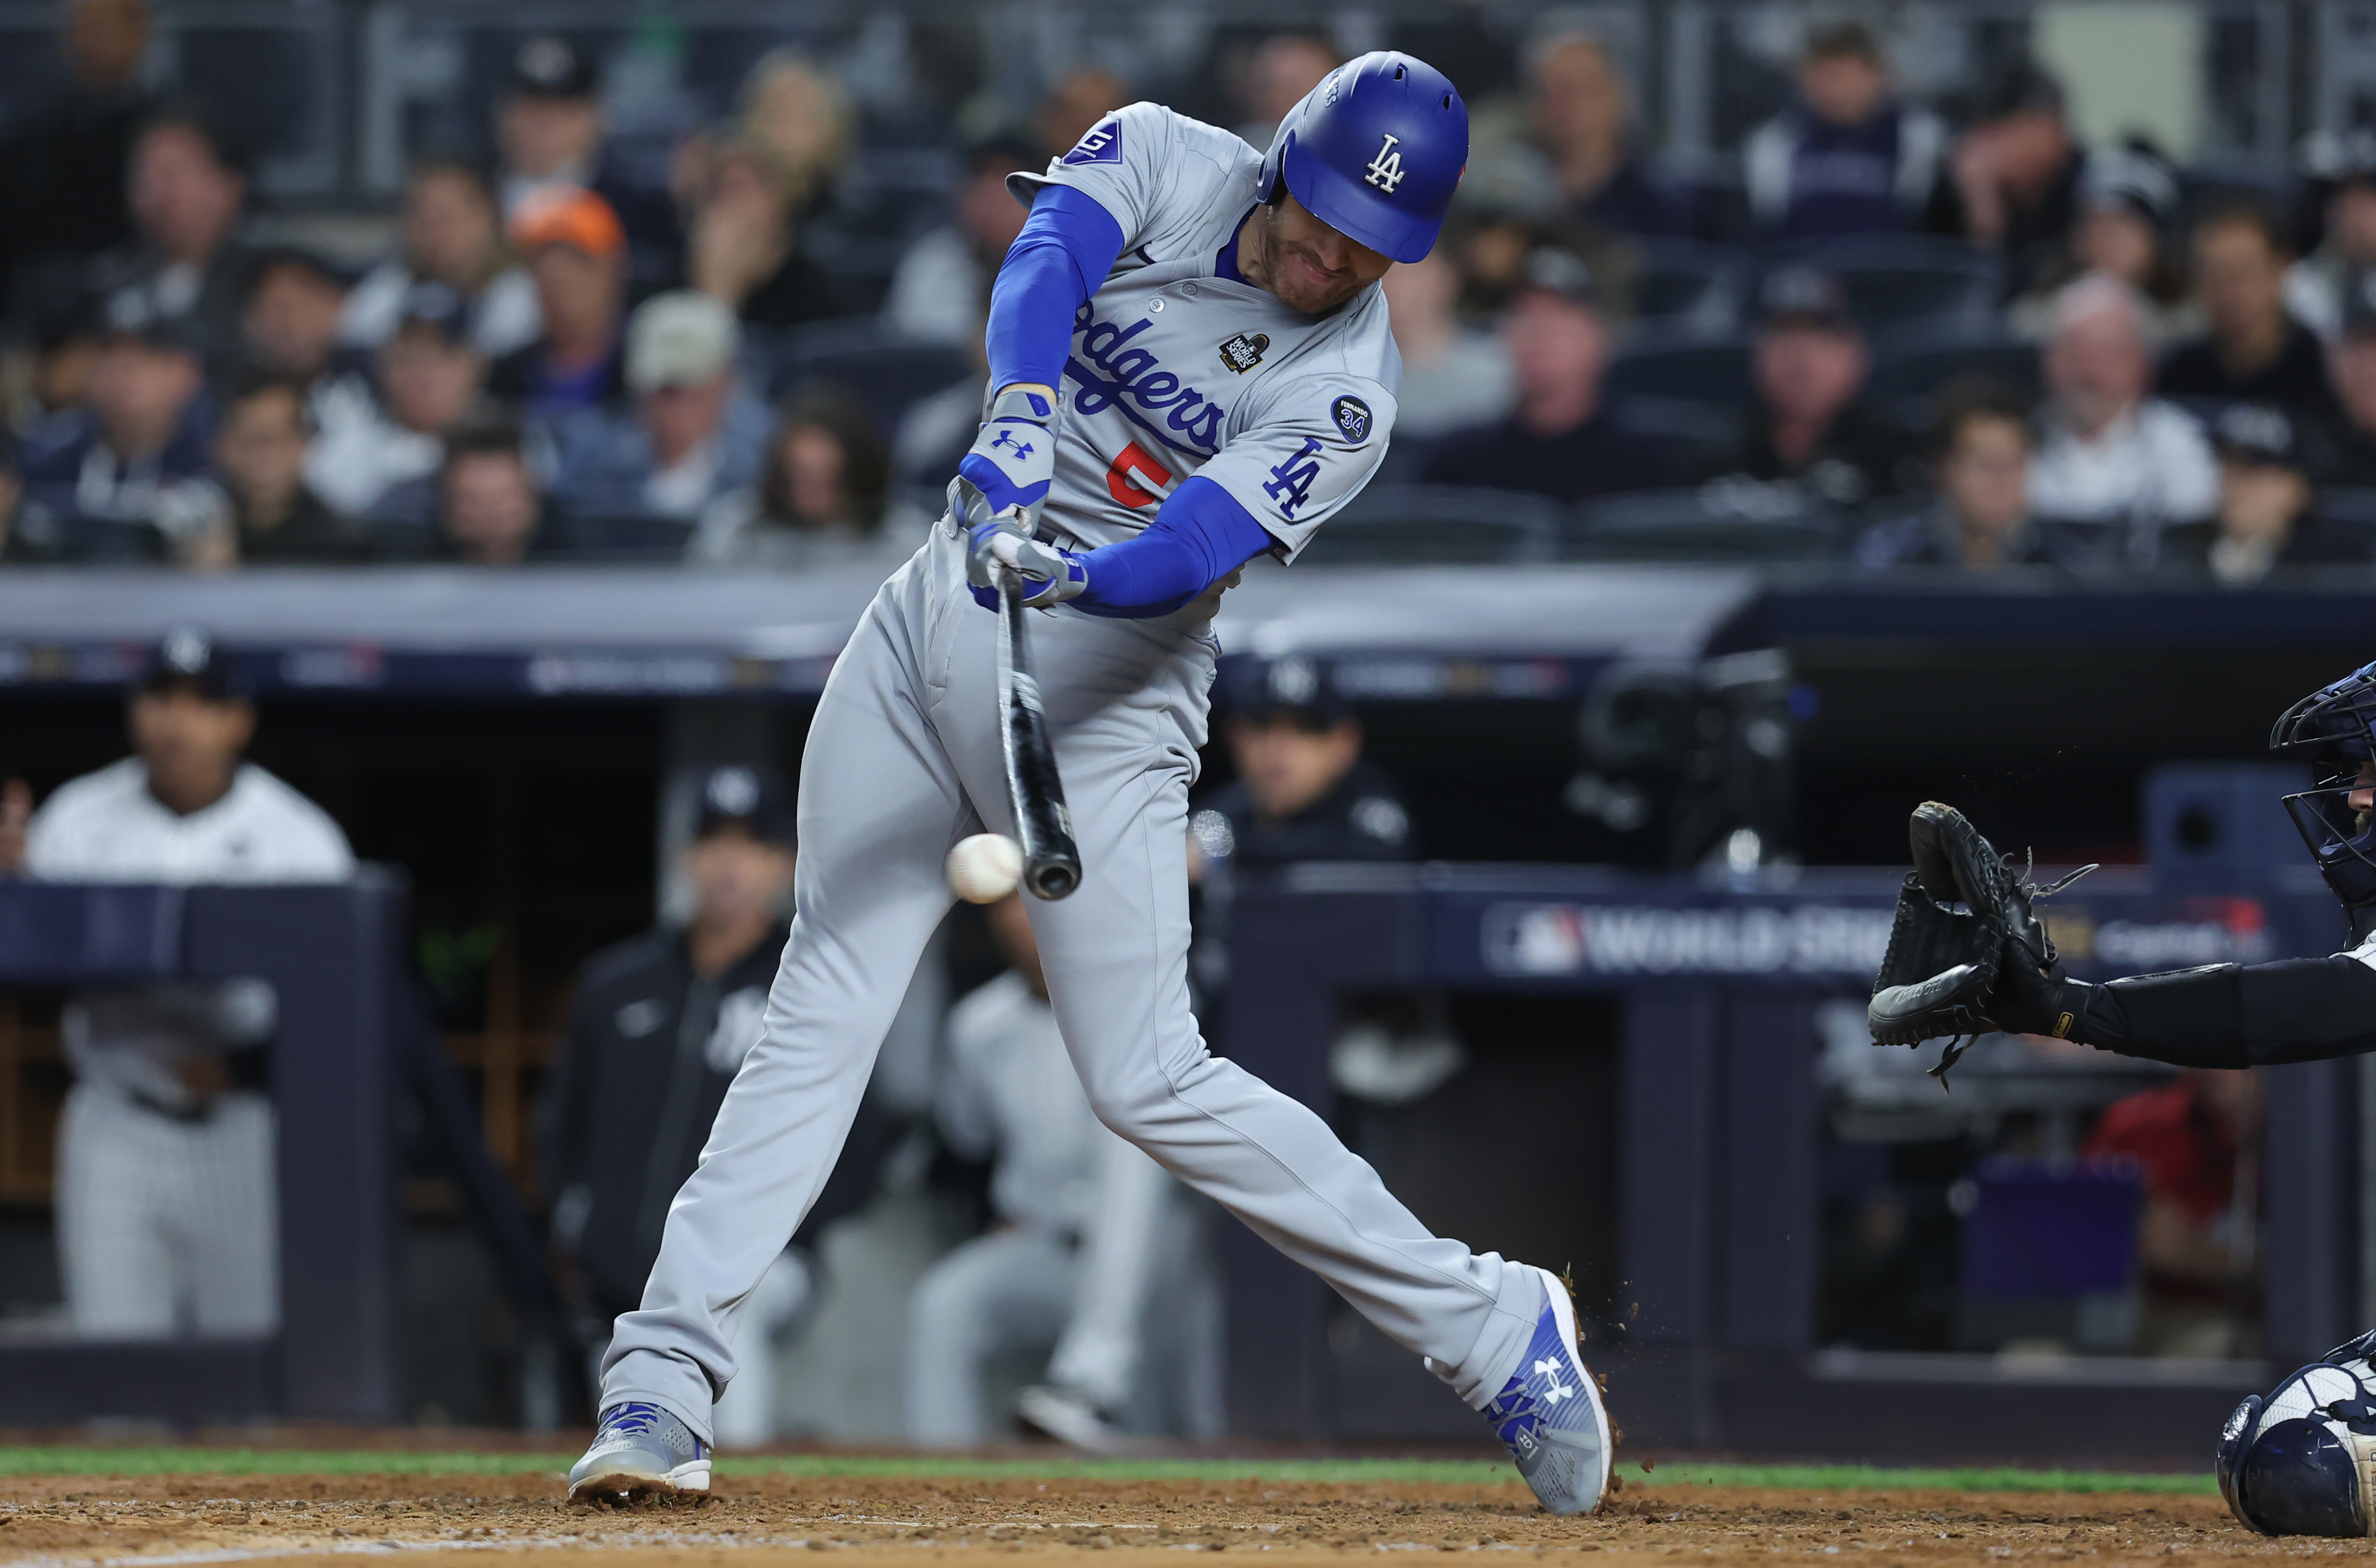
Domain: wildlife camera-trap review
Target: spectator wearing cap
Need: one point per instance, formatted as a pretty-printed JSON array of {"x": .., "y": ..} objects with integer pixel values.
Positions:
[
  {"x": 188, "y": 190},
  {"x": 2012, "y": 182},
  {"x": 1848, "y": 157},
  {"x": 822, "y": 498},
  {"x": 550, "y": 132},
  {"x": 260, "y": 447},
  {"x": 658, "y": 1025},
  {"x": 1453, "y": 373},
  {"x": 381, "y": 440},
  {"x": 2128, "y": 203},
  {"x": 2340, "y": 176},
  {"x": 1581, "y": 112},
  {"x": 577, "y": 254},
  {"x": 167, "y": 1196},
  {"x": 744, "y": 246},
  {"x": 942, "y": 287},
  {"x": 2265, "y": 518},
  {"x": 136, "y": 456},
  {"x": 62, "y": 166},
  {"x": 2108, "y": 452},
  {"x": 1979, "y": 516},
  {"x": 2350, "y": 441},
  {"x": 2251, "y": 350},
  {"x": 693, "y": 434},
  {"x": 291, "y": 327},
  {"x": 489, "y": 508},
  {"x": 1557, "y": 440},
  {"x": 1807, "y": 429},
  {"x": 451, "y": 232}
]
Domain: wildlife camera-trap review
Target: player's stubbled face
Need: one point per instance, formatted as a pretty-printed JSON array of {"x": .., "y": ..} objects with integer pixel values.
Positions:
[
  {"x": 1308, "y": 266},
  {"x": 2363, "y": 799}
]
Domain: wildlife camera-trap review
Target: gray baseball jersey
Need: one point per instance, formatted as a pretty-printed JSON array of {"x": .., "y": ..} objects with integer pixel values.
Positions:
[
  {"x": 1177, "y": 370},
  {"x": 1291, "y": 415}
]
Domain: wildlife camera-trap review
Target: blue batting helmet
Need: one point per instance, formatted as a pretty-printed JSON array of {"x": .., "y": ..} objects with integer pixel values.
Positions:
[
  {"x": 2333, "y": 728},
  {"x": 2296, "y": 1463},
  {"x": 1375, "y": 152}
]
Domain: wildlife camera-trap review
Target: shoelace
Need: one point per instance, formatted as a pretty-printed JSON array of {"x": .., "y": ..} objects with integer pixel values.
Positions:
[
  {"x": 1961, "y": 1044},
  {"x": 630, "y": 1420}
]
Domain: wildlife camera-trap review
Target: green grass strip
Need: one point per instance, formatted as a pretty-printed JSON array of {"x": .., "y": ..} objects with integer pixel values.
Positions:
[
  {"x": 191, "y": 1461},
  {"x": 1876, "y": 1477}
]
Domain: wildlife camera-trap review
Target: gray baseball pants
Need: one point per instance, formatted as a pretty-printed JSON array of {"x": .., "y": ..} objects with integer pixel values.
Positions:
[{"x": 903, "y": 760}]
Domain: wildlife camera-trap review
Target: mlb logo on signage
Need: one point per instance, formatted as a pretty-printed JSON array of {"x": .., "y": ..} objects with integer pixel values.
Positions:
[{"x": 1101, "y": 144}]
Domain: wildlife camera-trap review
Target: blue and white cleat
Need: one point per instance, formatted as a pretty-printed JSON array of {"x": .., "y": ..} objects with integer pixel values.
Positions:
[
  {"x": 1550, "y": 1417},
  {"x": 641, "y": 1451}
]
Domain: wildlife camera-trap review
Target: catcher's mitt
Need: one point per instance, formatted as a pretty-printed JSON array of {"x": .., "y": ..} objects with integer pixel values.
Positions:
[{"x": 1940, "y": 975}]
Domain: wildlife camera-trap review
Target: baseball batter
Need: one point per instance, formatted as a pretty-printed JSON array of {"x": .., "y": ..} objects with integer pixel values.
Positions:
[{"x": 1190, "y": 367}]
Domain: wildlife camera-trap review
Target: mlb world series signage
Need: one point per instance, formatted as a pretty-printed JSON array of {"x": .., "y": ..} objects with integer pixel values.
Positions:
[{"x": 1834, "y": 935}]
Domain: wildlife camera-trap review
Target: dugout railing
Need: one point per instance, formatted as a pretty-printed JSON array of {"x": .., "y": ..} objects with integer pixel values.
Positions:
[
  {"x": 1716, "y": 1112},
  {"x": 349, "y": 1041}
]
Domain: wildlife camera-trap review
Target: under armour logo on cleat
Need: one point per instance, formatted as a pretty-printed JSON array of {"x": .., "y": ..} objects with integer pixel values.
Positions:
[{"x": 1557, "y": 1391}]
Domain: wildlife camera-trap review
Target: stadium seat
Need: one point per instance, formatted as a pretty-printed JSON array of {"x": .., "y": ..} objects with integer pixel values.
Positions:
[
  {"x": 884, "y": 373},
  {"x": 623, "y": 539},
  {"x": 1912, "y": 364},
  {"x": 1434, "y": 525},
  {"x": 1893, "y": 279},
  {"x": 1687, "y": 285},
  {"x": 1681, "y": 367},
  {"x": 1722, "y": 520}
]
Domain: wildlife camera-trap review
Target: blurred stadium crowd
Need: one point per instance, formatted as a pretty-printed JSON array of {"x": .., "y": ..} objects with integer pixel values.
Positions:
[
  {"x": 1888, "y": 337},
  {"x": 1894, "y": 335}
]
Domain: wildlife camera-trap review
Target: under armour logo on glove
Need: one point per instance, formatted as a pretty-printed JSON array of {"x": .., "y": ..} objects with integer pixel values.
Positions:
[{"x": 1014, "y": 457}]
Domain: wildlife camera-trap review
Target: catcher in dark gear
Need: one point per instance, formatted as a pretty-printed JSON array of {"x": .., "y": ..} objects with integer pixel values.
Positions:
[
  {"x": 2300, "y": 1462},
  {"x": 1952, "y": 973}
]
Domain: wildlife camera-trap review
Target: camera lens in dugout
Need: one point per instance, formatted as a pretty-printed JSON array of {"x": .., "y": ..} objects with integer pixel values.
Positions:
[
  {"x": 1692, "y": 766},
  {"x": 2334, "y": 729}
]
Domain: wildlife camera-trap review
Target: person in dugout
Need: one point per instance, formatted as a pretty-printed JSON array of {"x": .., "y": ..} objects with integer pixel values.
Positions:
[{"x": 659, "y": 1025}]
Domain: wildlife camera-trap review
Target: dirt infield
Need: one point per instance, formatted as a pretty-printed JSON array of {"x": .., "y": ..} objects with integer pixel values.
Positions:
[{"x": 87, "y": 1520}]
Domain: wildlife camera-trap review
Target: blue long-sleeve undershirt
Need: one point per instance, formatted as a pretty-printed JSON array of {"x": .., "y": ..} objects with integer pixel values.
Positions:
[
  {"x": 1200, "y": 536},
  {"x": 1067, "y": 246}
]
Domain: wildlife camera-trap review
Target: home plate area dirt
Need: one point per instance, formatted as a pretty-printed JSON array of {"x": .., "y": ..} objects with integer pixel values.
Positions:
[{"x": 92, "y": 1522}]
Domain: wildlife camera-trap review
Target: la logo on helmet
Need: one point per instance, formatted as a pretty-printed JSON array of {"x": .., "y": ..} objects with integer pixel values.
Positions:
[{"x": 1385, "y": 170}]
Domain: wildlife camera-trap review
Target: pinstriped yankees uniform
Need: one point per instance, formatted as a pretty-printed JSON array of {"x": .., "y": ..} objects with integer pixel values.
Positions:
[{"x": 167, "y": 1205}]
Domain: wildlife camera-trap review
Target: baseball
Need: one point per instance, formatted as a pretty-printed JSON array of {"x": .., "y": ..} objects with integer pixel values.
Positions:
[{"x": 985, "y": 868}]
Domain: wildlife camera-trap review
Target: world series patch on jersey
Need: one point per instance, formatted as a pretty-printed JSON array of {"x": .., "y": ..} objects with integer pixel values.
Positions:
[{"x": 1175, "y": 369}]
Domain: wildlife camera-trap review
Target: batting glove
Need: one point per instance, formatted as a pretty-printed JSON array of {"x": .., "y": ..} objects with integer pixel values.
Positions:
[
  {"x": 1049, "y": 576},
  {"x": 1014, "y": 456}
]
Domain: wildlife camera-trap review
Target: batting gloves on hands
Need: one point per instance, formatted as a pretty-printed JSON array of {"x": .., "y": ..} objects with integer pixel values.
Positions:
[
  {"x": 1049, "y": 576},
  {"x": 998, "y": 491},
  {"x": 1014, "y": 456}
]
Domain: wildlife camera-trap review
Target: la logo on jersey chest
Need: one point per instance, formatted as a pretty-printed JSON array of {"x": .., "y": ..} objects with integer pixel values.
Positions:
[{"x": 1385, "y": 170}]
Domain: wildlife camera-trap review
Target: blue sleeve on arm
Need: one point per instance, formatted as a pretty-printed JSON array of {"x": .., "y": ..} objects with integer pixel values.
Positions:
[
  {"x": 1067, "y": 246},
  {"x": 1200, "y": 536}
]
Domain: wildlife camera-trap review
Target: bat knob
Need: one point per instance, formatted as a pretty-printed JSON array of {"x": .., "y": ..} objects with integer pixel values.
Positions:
[{"x": 1052, "y": 880}]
